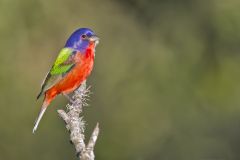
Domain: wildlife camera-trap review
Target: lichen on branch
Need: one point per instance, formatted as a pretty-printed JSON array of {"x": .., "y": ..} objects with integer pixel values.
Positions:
[{"x": 76, "y": 125}]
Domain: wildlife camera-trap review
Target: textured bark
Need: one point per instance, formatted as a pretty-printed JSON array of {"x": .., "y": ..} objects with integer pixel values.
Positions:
[{"x": 75, "y": 124}]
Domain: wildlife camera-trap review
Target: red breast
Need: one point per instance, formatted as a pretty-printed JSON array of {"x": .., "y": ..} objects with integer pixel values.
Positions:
[{"x": 79, "y": 73}]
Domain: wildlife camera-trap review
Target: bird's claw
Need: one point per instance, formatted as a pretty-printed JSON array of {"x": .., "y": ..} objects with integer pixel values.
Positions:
[{"x": 69, "y": 98}]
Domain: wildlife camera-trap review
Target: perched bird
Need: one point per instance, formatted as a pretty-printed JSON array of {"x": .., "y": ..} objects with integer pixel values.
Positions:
[{"x": 72, "y": 66}]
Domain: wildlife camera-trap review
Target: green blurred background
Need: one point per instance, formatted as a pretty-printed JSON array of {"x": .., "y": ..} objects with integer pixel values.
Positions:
[{"x": 166, "y": 82}]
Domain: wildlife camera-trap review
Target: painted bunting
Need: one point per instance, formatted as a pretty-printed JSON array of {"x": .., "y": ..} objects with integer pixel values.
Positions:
[{"x": 73, "y": 65}]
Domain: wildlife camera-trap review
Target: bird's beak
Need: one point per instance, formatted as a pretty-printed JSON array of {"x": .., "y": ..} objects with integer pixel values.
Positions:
[{"x": 94, "y": 38}]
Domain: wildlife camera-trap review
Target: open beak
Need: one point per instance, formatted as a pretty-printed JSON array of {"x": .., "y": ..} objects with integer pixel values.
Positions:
[{"x": 94, "y": 38}]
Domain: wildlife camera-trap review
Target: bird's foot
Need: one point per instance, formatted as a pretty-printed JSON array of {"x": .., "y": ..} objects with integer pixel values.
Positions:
[{"x": 69, "y": 98}]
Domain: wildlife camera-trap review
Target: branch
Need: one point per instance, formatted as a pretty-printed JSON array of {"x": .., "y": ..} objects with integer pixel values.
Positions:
[{"x": 75, "y": 124}]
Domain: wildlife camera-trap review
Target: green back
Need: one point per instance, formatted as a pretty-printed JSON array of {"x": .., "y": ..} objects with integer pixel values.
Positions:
[{"x": 59, "y": 67}]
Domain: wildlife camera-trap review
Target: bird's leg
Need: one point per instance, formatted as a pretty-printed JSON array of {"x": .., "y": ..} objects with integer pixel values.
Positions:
[{"x": 69, "y": 98}]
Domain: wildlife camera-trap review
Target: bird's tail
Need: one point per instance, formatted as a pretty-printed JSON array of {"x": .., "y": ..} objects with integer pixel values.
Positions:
[{"x": 40, "y": 115}]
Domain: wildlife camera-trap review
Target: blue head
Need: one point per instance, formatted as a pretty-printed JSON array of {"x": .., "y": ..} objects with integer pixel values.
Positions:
[{"x": 81, "y": 38}]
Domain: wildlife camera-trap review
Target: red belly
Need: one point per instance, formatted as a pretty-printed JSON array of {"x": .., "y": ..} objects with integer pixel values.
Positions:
[{"x": 75, "y": 77}]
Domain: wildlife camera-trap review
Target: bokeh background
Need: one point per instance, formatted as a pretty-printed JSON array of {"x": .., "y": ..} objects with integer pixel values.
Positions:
[{"x": 166, "y": 82}]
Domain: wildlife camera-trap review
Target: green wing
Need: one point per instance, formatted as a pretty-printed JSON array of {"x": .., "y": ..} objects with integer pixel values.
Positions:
[
  {"x": 61, "y": 66},
  {"x": 63, "y": 62}
]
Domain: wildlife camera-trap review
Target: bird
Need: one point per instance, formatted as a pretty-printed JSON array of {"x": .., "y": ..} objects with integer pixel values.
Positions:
[{"x": 71, "y": 68}]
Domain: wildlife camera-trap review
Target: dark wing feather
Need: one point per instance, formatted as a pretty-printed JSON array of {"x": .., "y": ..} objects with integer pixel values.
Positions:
[{"x": 63, "y": 64}]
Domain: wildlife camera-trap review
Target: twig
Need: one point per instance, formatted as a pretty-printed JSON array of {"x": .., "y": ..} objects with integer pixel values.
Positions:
[{"x": 75, "y": 124}]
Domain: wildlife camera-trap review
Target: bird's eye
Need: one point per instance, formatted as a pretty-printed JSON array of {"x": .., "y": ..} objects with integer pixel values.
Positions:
[{"x": 84, "y": 36}]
